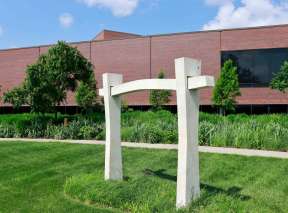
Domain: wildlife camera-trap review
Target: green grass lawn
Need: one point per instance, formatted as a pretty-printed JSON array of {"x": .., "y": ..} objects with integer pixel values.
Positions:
[{"x": 38, "y": 177}]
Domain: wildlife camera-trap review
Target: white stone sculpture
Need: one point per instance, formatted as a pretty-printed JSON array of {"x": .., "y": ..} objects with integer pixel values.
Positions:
[{"x": 187, "y": 83}]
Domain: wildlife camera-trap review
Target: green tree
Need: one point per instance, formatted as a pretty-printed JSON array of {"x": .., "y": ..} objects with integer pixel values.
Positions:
[
  {"x": 16, "y": 97},
  {"x": 47, "y": 81},
  {"x": 280, "y": 80},
  {"x": 158, "y": 98},
  {"x": 227, "y": 88},
  {"x": 86, "y": 96}
]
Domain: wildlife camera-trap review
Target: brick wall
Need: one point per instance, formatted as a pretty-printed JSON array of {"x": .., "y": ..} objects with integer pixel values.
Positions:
[
  {"x": 112, "y": 35},
  {"x": 257, "y": 38},
  {"x": 204, "y": 46},
  {"x": 129, "y": 57},
  {"x": 143, "y": 57},
  {"x": 13, "y": 64}
]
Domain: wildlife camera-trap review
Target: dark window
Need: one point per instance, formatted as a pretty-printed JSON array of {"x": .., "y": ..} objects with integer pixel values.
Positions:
[{"x": 256, "y": 67}]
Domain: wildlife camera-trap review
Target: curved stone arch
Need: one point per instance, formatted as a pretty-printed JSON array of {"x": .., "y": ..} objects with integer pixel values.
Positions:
[{"x": 187, "y": 83}]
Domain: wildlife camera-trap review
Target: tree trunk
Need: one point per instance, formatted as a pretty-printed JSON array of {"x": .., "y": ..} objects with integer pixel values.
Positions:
[{"x": 222, "y": 111}]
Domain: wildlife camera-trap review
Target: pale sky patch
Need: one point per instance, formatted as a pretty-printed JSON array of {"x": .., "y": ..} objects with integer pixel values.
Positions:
[
  {"x": 249, "y": 13},
  {"x": 1, "y": 30},
  {"x": 119, "y": 8},
  {"x": 66, "y": 20}
]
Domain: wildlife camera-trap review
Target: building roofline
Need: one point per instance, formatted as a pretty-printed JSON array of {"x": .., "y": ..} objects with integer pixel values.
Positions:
[
  {"x": 219, "y": 30},
  {"x": 44, "y": 45},
  {"x": 113, "y": 31},
  {"x": 152, "y": 35}
]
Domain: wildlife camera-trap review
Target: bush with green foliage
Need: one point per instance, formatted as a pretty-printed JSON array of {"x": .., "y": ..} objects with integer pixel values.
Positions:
[
  {"x": 158, "y": 98},
  {"x": 227, "y": 88},
  {"x": 86, "y": 97},
  {"x": 17, "y": 97},
  {"x": 55, "y": 73},
  {"x": 280, "y": 80}
]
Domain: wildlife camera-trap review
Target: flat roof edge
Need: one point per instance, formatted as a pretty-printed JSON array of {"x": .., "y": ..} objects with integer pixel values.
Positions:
[{"x": 154, "y": 35}]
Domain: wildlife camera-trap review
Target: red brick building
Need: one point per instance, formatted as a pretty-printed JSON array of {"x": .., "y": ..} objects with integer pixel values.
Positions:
[{"x": 259, "y": 52}]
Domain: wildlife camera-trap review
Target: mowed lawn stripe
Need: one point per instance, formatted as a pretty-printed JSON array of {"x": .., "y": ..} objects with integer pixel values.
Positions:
[{"x": 33, "y": 177}]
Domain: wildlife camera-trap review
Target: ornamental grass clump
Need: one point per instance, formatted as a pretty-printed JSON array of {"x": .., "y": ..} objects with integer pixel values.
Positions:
[
  {"x": 77, "y": 129},
  {"x": 266, "y": 132},
  {"x": 250, "y": 134}
]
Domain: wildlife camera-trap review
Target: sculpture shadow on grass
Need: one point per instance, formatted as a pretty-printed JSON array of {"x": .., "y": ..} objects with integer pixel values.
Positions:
[{"x": 233, "y": 191}]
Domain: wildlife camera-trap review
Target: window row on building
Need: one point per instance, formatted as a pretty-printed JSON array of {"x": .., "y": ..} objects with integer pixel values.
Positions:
[{"x": 256, "y": 68}]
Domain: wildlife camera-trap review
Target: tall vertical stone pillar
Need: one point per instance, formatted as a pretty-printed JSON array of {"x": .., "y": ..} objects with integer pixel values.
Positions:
[
  {"x": 188, "y": 183},
  {"x": 113, "y": 156}
]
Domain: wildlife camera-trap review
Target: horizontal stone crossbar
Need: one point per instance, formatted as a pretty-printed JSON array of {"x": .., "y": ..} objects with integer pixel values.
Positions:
[
  {"x": 196, "y": 82},
  {"x": 200, "y": 82}
]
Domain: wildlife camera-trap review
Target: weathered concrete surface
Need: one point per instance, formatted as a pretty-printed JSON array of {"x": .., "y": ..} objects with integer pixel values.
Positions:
[
  {"x": 113, "y": 154},
  {"x": 188, "y": 180}
]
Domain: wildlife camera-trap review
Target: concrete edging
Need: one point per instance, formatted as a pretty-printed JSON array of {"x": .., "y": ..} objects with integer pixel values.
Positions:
[{"x": 205, "y": 149}]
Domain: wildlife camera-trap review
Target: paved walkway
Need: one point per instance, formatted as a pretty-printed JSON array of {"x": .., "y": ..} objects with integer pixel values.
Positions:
[{"x": 208, "y": 149}]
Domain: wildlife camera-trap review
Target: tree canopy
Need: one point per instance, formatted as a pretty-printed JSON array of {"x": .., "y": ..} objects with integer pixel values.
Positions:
[
  {"x": 158, "y": 98},
  {"x": 227, "y": 88},
  {"x": 48, "y": 80},
  {"x": 280, "y": 80}
]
